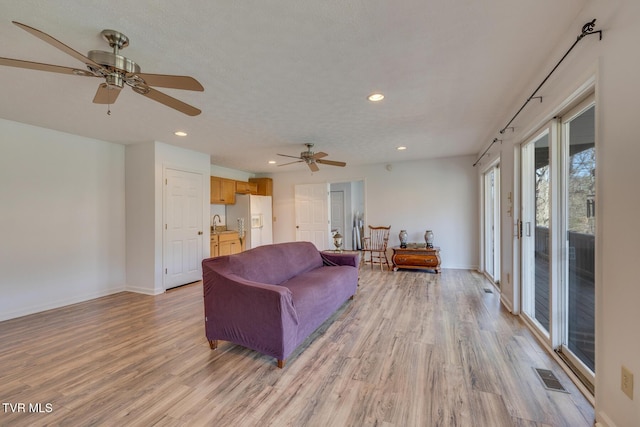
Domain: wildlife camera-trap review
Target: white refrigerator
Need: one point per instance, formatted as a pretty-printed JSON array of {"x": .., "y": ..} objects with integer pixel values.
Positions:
[{"x": 257, "y": 218}]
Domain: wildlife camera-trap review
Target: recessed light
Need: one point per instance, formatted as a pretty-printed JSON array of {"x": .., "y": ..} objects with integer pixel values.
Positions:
[
  {"x": 180, "y": 133},
  {"x": 272, "y": 162},
  {"x": 402, "y": 147},
  {"x": 375, "y": 97}
]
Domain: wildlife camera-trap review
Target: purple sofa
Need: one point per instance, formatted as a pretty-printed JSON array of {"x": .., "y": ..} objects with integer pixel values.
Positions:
[{"x": 271, "y": 298}]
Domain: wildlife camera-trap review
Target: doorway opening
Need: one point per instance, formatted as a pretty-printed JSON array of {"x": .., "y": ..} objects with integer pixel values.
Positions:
[{"x": 347, "y": 212}]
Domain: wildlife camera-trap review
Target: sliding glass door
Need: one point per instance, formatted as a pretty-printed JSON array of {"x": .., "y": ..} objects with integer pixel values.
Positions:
[
  {"x": 491, "y": 226},
  {"x": 558, "y": 228}
]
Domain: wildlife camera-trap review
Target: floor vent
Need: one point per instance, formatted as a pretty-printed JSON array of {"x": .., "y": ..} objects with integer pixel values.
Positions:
[
  {"x": 549, "y": 380},
  {"x": 488, "y": 291}
]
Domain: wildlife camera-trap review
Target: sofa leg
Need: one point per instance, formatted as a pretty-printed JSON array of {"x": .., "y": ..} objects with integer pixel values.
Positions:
[
  {"x": 280, "y": 363},
  {"x": 213, "y": 344}
]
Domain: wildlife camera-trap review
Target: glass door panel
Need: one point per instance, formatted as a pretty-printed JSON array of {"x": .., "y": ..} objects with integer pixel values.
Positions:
[
  {"x": 580, "y": 192},
  {"x": 536, "y": 211}
]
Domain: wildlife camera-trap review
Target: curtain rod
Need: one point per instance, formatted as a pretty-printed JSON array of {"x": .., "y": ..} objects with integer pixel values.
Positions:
[{"x": 587, "y": 29}]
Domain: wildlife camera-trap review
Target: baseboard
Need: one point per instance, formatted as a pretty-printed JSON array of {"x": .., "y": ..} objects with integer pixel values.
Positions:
[
  {"x": 604, "y": 420},
  {"x": 460, "y": 267},
  {"x": 507, "y": 304},
  {"x": 144, "y": 291},
  {"x": 57, "y": 304}
]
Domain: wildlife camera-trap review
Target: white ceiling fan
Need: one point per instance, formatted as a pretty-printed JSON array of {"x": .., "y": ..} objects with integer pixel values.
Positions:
[
  {"x": 115, "y": 69},
  {"x": 312, "y": 159}
]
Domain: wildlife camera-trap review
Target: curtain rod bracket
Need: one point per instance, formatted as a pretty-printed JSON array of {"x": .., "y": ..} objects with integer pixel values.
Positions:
[{"x": 510, "y": 127}]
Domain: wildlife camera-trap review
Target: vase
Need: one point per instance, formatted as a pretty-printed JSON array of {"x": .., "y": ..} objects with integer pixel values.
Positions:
[
  {"x": 403, "y": 238},
  {"x": 337, "y": 242},
  {"x": 428, "y": 237}
]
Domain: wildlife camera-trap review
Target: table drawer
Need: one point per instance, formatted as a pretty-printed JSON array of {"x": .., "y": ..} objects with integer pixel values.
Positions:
[{"x": 417, "y": 260}]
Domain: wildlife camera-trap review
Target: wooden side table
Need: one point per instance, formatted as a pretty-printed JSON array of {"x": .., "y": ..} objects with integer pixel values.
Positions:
[{"x": 416, "y": 256}]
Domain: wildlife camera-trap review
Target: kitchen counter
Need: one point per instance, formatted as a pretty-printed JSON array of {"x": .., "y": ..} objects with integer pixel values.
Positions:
[{"x": 215, "y": 233}]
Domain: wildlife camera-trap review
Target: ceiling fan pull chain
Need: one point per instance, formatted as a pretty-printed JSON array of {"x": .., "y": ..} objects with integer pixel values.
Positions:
[{"x": 108, "y": 102}]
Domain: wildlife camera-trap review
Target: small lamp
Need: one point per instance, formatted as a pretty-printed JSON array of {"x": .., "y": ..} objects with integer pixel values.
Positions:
[{"x": 337, "y": 241}]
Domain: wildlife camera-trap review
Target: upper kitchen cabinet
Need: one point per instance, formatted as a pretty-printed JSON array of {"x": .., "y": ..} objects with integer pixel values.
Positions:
[
  {"x": 223, "y": 191},
  {"x": 243, "y": 187},
  {"x": 265, "y": 186}
]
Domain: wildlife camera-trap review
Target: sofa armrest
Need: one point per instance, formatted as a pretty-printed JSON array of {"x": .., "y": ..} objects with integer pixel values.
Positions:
[
  {"x": 257, "y": 315},
  {"x": 333, "y": 258}
]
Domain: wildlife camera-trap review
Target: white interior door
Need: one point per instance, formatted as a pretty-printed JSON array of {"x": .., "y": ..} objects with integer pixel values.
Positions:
[
  {"x": 183, "y": 228},
  {"x": 312, "y": 214}
]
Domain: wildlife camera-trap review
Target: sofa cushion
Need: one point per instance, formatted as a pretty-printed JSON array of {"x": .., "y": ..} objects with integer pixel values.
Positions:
[
  {"x": 318, "y": 293},
  {"x": 274, "y": 264}
]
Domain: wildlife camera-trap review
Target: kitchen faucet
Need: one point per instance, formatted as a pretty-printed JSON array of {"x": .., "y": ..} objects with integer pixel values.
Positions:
[{"x": 214, "y": 221}]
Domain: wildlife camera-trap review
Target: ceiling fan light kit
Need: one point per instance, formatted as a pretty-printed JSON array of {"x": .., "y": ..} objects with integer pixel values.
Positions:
[{"x": 115, "y": 69}]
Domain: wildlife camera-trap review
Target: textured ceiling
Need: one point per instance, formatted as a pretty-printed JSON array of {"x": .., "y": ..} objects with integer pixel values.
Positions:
[{"x": 281, "y": 73}]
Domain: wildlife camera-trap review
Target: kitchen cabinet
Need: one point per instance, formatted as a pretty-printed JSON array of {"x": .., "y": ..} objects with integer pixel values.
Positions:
[
  {"x": 214, "y": 246},
  {"x": 225, "y": 243},
  {"x": 265, "y": 186},
  {"x": 243, "y": 187},
  {"x": 223, "y": 191}
]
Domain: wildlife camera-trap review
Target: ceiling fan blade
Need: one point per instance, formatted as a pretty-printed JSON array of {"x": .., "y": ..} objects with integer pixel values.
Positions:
[
  {"x": 43, "y": 67},
  {"x": 331, "y": 163},
  {"x": 319, "y": 155},
  {"x": 167, "y": 100},
  {"x": 290, "y": 163},
  {"x": 286, "y": 155},
  {"x": 313, "y": 167},
  {"x": 173, "y": 82},
  {"x": 106, "y": 94},
  {"x": 58, "y": 44}
]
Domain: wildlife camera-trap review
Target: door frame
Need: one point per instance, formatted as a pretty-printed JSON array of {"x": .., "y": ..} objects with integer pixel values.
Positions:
[{"x": 563, "y": 331}]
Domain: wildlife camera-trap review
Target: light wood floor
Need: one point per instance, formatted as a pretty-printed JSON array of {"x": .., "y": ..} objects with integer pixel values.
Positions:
[{"x": 412, "y": 349}]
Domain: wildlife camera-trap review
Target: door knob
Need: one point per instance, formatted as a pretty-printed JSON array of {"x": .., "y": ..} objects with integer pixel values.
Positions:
[{"x": 199, "y": 233}]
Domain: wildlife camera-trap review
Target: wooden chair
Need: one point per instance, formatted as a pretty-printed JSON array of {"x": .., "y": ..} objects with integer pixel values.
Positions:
[{"x": 376, "y": 245}]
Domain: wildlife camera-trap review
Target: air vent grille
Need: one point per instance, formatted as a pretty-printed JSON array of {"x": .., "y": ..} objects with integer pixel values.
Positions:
[{"x": 549, "y": 380}]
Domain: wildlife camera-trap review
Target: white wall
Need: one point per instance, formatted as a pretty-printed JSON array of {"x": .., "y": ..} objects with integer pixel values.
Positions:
[
  {"x": 439, "y": 194},
  {"x": 62, "y": 219},
  {"x": 145, "y": 166},
  {"x": 613, "y": 63},
  {"x": 140, "y": 214}
]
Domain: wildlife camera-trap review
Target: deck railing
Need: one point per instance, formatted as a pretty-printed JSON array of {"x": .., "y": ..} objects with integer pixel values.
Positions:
[{"x": 581, "y": 251}]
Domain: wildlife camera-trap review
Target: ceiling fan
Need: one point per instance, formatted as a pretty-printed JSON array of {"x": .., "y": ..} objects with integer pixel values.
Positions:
[
  {"x": 311, "y": 159},
  {"x": 115, "y": 69}
]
